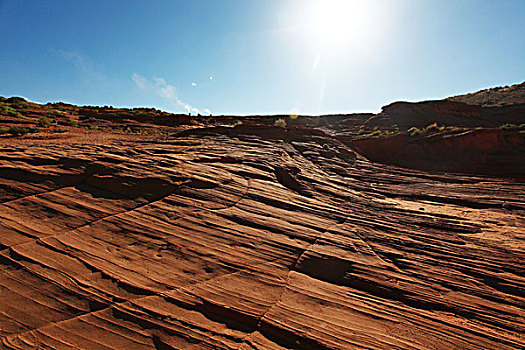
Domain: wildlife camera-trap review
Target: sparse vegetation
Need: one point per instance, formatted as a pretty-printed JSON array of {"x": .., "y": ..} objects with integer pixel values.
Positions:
[
  {"x": 16, "y": 99},
  {"x": 413, "y": 131},
  {"x": 434, "y": 127},
  {"x": 56, "y": 130},
  {"x": 20, "y": 130},
  {"x": 494, "y": 97},
  {"x": 508, "y": 126},
  {"x": 280, "y": 122},
  {"x": 45, "y": 122},
  {"x": 9, "y": 111}
]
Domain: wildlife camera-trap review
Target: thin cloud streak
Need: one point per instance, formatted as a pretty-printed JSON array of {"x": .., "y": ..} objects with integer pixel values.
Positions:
[
  {"x": 84, "y": 65},
  {"x": 164, "y": 90}
]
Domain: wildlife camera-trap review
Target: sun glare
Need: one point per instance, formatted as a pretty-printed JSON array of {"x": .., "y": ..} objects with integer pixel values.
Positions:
[{"x": 339, "y": 24}]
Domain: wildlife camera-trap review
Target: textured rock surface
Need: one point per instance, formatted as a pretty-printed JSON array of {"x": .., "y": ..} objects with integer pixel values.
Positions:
[
  {"x": 444, "y": 112},
  {"x": 494, "y": 97},
  {"x": 498, "y": 152},
  {"x": 251, "y": 238}
]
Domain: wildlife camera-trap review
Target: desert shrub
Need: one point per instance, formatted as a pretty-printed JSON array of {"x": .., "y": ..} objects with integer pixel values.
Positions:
[
  {"x": 508, "y": 126},
  {"x": 16, "y": 99},
  {"x": 10, "y": 111},
  {"x": 375, "y": 133},
  {"x": 4, "y": 130},
  {"x": 237, "y": 122},
  {"x": 455, "y": 129},
  {"x": 45, "y": 122},
  {"x": 93, "y": 127},
  {"x": 16, "y": 102},
  {"x": 361, "y": 131},
  {"x": 56, "y": 130},
  {"x": 434, "y": 127},
  {"x": 72, "y": 123},
  {"x": 19, "y": 130},
  {"x": 280, "y": 122},
  {"x": 129, "y": 130},
  {"x": 413, "y": 131}
]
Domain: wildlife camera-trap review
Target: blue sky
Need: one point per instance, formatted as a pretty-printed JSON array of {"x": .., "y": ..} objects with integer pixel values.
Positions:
[{"x": 258, "y": 56}]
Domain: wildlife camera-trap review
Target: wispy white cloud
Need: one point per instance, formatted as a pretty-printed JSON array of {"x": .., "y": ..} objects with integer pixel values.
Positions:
[
  {"x": 165, "y": 90},
  {"x": 140, "y": 81},
  {"x": 89, "y": 70},
  {"x": 194, "y": 84}
]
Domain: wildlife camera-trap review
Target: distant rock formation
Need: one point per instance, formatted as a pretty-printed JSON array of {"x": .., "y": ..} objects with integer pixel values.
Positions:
[{"x": 494, "y": 97}]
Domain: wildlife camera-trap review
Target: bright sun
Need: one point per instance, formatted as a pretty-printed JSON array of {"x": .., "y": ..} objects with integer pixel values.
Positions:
[{"x": 339, "y": 23}]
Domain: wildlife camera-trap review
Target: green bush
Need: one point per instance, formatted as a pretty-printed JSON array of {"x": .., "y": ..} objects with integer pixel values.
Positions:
[
  {"x": 10, "y": 111},
  {"x": 56, "y": 130},
  {"x": 72, "y": 123},
  {"x": 280, "y": 122},
  {"x": 19, "y": 130},
  {"x": 45, "y": 122}
]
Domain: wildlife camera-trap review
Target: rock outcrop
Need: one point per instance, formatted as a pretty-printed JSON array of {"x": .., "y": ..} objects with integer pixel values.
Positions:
[
  {"x": 497, "y": 152},
  {"x": 450, "y": 113},
  {"x": 251, "y": 238},
  {"x": 494, "y": 97}
]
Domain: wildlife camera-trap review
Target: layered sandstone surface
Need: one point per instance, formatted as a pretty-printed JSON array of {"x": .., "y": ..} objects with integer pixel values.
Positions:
[{"x": 251, "y": 238}]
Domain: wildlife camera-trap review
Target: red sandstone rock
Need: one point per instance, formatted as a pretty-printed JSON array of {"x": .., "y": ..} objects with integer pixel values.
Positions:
[
  {"x": 253, "y": 238},
  {"x": 496, "y": 152}
]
